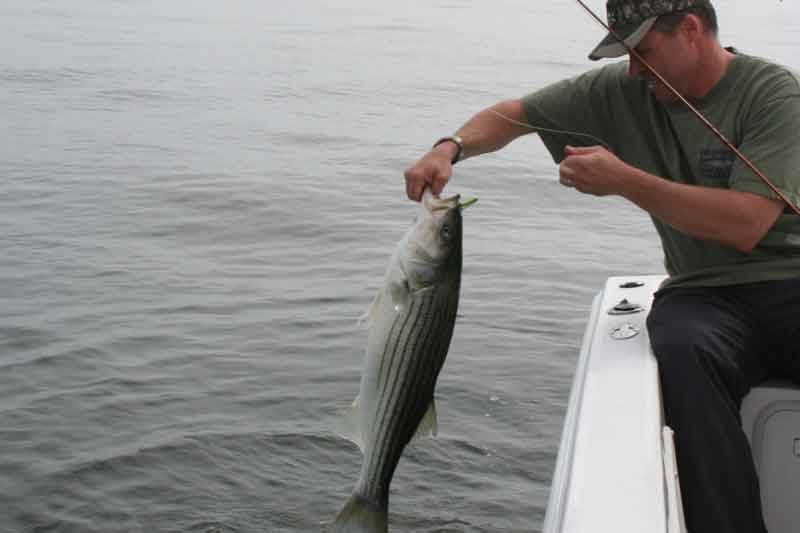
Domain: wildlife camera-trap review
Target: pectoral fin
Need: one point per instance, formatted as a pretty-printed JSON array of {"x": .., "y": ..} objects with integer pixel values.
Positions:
[
  {"x": 349, "y": 426},
  {"x": 370, "y": 315},
  {"x": 429, "y": 425},
  {"x": 401, "y": 294}
]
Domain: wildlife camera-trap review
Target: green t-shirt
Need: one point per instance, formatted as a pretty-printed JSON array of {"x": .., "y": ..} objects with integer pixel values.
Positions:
[{"x": 756, "y": 105}]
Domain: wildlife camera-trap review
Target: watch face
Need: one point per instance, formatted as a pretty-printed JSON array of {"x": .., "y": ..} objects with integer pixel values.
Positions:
[{"x": 458, "y": 142}]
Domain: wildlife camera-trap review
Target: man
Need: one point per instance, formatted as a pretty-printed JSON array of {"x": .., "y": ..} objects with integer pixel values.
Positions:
[{"x": 727, "y": 317}]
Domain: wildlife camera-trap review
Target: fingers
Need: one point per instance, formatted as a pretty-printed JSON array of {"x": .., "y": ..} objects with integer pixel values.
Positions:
[
  {"x": 414, "y": 185},
  {"x": 417, "y": 180},
  {"x": 581, "y": 150},
  {"x": 426, "y": 173},
  {"x": 573, "y": 168},
  {"x": 566, "y": 175},
  {"x": 437, "y": 184},
  {"x": 574, "y": 164}
]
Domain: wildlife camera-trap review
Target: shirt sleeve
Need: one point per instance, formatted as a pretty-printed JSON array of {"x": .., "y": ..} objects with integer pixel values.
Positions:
[
  {"x": 771, "y": 141},
  {"x": 575, "y": 108}
]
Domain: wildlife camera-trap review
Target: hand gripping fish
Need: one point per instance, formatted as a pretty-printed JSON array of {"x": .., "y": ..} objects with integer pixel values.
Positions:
[{"x": 410, "y": 326}]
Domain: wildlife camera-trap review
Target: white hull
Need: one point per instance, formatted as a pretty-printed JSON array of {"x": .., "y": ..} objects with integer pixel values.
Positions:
[{"x": 615, "y": 469}]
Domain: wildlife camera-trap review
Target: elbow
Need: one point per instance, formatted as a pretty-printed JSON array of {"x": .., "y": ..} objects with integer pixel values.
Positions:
[
  {"x": 751, "y": 230},
  {"x": 747, "y": 242},
  {"x": 746, "y": 247}
]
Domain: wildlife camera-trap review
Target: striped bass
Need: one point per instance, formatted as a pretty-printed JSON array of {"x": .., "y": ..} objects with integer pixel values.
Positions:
[{"x": 410, "y": 326}]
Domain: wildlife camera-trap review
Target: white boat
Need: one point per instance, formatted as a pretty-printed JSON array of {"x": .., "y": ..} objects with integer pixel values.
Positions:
[{"x": 616, "y": 466}]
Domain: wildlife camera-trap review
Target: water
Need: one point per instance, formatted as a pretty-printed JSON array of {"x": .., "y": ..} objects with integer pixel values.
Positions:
[{"x": 198, "y": 200}]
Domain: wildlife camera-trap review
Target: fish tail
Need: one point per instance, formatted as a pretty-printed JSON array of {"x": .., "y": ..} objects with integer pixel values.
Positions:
[{"x": 360, "y": 516}]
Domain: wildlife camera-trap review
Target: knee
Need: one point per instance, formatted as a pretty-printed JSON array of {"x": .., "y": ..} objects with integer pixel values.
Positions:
[
  {"x": 684, "y": 351},
  {"x": 693, "y": 363},
  {"x": 673, "y": 342}
]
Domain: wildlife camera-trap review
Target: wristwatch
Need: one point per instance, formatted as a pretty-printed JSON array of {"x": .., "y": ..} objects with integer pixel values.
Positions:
[{"x": 459, "y": 142}]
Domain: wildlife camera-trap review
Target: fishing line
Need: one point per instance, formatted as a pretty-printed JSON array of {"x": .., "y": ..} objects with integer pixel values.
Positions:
[
  {"x": 694, "y": 110},
  {"x": 550, "y": 130}
]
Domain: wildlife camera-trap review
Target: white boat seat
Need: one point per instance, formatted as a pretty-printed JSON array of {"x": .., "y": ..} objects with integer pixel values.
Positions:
[{"x": 771, "y": 421}]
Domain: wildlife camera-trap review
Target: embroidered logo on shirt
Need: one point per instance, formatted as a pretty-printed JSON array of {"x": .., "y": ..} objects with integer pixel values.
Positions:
[{"x": 716, "y": 164}]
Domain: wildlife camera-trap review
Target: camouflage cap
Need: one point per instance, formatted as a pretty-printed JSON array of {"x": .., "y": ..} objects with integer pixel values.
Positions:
[{"x": 631, "y": 20}]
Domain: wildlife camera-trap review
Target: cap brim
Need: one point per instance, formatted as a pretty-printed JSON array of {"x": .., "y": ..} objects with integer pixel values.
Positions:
[{"x": 612, "y": 47}]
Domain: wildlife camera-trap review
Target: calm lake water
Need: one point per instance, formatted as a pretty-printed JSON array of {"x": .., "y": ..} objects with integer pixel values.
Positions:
[{"x": 198, "y": 200}]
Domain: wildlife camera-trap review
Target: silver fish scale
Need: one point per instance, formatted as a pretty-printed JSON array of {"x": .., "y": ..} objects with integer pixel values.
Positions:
[
  {"x": 414, "y": 355},
  {"x": 408, "y": 341}
]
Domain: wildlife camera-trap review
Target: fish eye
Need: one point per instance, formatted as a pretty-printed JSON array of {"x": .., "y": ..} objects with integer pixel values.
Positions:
[{"x": 445, "y": 231}]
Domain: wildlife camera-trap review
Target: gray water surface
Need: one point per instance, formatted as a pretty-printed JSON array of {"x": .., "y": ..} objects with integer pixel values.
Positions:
[{"x": 198, "y": 200}]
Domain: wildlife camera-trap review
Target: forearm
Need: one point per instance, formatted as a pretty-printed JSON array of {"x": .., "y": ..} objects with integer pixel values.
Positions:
[
  {"x": 733, "y": 218},
  {"x": 487, "y": 131}
]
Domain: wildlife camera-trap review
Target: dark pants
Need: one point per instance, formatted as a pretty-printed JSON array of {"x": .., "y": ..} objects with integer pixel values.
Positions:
[{"x": 712, "y": 346}]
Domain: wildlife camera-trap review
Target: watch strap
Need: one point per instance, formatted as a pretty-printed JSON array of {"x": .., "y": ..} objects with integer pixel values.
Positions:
[{"x": 458, "y": 141}]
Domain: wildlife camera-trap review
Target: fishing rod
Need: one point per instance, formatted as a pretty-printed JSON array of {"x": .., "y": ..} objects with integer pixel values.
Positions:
[{"x": 694, "y": 110}]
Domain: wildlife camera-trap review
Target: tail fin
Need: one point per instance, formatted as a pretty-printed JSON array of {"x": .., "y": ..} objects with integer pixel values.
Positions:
[{"x": 360, "y": 516}]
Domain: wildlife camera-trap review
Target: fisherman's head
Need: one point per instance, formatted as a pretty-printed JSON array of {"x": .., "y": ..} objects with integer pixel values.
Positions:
[{"x": 671, "y": 35}]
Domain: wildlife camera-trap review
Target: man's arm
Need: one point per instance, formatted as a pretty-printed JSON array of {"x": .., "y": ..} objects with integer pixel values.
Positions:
[
  {"x": 734, "y": 218},
  {"x": 483, "y": 133}
]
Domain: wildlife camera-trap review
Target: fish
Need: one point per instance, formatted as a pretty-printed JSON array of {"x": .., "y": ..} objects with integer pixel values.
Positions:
[{"x": 411, "y": 322}]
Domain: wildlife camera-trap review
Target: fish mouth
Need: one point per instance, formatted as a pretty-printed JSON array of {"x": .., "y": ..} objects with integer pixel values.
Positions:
[{"x": 435, "y": 203}]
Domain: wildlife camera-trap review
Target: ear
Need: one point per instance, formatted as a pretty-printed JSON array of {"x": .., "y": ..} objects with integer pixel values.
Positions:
[{"x": 692, "y": 26}]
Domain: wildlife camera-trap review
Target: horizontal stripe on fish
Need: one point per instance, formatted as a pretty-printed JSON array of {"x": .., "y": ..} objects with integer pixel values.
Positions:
[
  {"x": 396, "y": 355},
  {"x": 411, "y": 325},
  {"x": 416, "y": 388},
  {"x": 394, "y": 436},
  {"x": 386, "y": 418}
]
